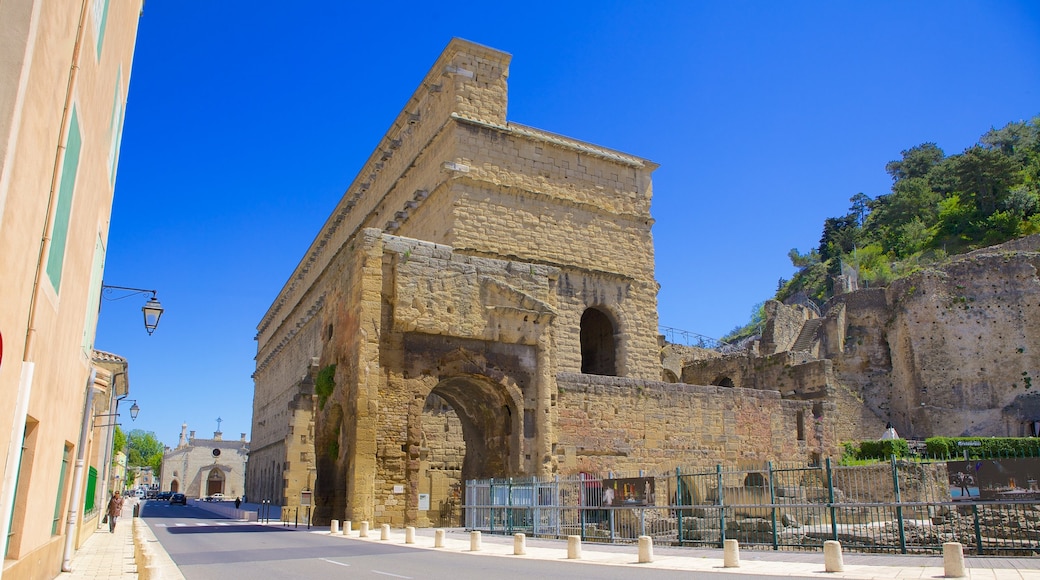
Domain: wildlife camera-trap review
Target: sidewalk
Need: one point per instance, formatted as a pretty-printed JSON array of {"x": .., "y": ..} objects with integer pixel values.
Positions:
[
  {"x": 106, "y": 555},
  {"x": 756, "y": 562}
]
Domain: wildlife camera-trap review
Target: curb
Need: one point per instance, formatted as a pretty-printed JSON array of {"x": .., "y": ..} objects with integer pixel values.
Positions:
[{"x": 152, "y": 559}]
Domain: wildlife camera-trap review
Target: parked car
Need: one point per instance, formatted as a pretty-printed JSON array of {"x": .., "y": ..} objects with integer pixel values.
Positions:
[
  {"x": 216, "y": 497},
  {"x": 178, "y": 498},
  {"x": 164, "y": 495}
]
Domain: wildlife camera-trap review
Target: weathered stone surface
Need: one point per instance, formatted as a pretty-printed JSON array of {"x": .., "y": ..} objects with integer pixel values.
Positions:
[{"x": 506, "y": 273}]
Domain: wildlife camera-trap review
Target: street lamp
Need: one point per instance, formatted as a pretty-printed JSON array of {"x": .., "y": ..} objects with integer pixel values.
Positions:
[{"x": 152, "y": 309}]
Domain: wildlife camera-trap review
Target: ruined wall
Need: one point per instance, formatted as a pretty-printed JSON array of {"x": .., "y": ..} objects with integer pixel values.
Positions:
[
  {"x": 624, "y": 425},
  {"x": 783, "y": 323},
  {"x": 946, "y": 351},
  {"x": 963, "y": 345}
]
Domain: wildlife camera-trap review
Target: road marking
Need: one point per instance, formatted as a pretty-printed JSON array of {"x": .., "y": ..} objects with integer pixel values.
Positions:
[
  {"x": 222, "y": 524},
  {"x": 201, "y": 524},
  {"x": 391, "y": 575},
  {"x": 180, "y": 524},
  {"x": 334, "y": 562},
  {"x": 160, "y": 525}
]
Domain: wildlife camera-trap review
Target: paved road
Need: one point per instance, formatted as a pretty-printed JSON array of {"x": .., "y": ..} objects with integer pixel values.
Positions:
[{"x": 206, "y": 547}]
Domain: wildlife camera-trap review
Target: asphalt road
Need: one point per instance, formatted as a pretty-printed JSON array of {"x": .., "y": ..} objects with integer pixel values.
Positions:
[{"x": 207, "y": 547}]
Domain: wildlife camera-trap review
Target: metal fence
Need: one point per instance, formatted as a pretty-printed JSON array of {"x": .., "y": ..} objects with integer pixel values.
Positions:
[{"x": 899, "y": 506}]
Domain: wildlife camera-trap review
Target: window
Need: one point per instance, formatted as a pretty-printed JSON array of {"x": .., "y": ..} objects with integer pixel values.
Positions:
[
  {"x": 63, "y": 209},
  {"x": 597, "y": 344},
  {"x": 59, "y": 501},
  {"x": 93, "y": 307},
  {"x": 115, "y": 127},
  {"x": 99, "y": 11},
  {"x": 21, "y": 486},
  {"x": 88, "y": 502}
]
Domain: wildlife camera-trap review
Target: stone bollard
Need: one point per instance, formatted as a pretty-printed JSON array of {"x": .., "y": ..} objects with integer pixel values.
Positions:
[
  {"x": 731, "y": 554},
  {"x": 346, "y": 527},
  {"x": 384, "y": 533},
  {"x": 474, "y": 541},
  {"x": 363, "y": 530},
  {"x": 953, "y": 560},
  {"x": 646, "y": 549},
  {"x": 574, "y": 547},
  {"x": 334, "y": 527},
  {"x": 409, "y": 535},
  {"x": 519, "y": 544},
  {"x": 438, "y": 539},
  {"x": 832, "y": 561}
]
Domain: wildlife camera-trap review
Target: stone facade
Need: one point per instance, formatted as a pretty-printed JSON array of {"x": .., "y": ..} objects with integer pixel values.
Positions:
[
  {"x": 482, "y": 303},
  {"x": 64, "y": 78},
  {"x": 945, "y": 351},
  {"x": 199, "y": 468}
]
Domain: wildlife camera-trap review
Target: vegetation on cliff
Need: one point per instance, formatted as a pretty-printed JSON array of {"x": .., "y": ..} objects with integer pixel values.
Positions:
[{"x": 939, "y": 205}]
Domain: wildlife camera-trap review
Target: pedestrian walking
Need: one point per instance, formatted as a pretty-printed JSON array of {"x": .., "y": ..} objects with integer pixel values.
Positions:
[
  {"x": 115, "y": 509},
  {"x": 238, "y": 502}
]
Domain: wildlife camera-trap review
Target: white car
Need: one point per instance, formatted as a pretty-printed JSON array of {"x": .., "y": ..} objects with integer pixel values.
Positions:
[{"x": 216, "y": 497}]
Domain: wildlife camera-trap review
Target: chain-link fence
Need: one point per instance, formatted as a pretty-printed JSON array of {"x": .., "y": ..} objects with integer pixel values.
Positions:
[{"x": 990, "y": 506}]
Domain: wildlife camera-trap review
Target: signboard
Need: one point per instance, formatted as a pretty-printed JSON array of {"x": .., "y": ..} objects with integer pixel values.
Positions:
[
  {"x": 628, "y": 492},
  {"x": 305, "y": 498},
  {"x": 424, "y": 502},
  {"x": 994, "y": 479}
]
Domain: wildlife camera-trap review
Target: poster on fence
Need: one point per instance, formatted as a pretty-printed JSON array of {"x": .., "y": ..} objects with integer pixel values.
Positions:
[
  {"x": 628, "y": 492},
  {"x": 994, "y": 479}
]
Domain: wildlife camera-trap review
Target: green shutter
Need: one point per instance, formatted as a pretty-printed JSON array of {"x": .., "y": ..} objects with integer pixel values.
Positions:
[
  {"x": 88, "y": 502},
  {"x": 101, "y": 26},
  {"x": 61, "y": 489},
  {"x": 94, "y": 298},
  {"x": 63, "y": 211}
]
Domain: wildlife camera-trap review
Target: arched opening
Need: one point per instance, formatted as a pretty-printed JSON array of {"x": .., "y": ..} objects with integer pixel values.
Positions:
[
  {"x": 215, "y": 482},
  {"x": 597, "y": 344},
  {"x": 175, "y": 486},
  {"x": 723, "y": 381},
  {"x": 469, "y": 431}
]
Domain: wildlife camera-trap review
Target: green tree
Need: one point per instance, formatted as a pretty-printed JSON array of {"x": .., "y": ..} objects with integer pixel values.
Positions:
[
  {"x": 800, "y": 260},
  {"x": 986, "y": 176},
  {"x": 916, "y": 162},
  {"x": 145, "y": 450}
]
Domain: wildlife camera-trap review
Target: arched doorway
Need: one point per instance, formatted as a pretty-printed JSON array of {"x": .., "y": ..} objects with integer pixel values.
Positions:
[
  {"x": 470, "y": 430},
  {"x": 175, "y": 486},
  {"x": 215, "y": 481},
  {"x": 723, "y": 381},
  {"x": 597, "y": 344}
]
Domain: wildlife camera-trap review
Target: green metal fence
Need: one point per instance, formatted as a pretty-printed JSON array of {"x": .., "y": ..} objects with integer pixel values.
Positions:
[{"x": 991, "y": 506}]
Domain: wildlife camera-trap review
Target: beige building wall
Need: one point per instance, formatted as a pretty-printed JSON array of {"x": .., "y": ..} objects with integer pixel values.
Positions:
[{"x": 64, "y": 75}]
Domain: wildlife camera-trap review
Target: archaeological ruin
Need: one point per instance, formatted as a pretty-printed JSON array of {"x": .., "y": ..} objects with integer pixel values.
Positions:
[{"x": 482, "y": 303}]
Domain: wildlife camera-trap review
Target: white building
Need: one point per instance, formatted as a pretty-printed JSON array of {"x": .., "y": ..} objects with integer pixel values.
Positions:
[{"x": 200, "y": 468}]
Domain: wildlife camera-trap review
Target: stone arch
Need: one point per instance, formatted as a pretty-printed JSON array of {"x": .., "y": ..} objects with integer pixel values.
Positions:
[
  {"x": 491, "y": 424},
  {"x": 215, "y": 481},
  {"x": 175, "y": 486},
  {"x": 598, "y": 343},
  {"x": 723, "y": 381}
]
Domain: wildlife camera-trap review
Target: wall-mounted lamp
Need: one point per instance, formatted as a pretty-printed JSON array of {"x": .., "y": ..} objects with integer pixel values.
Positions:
[
  {"x": 152, "y": 309},
  {"x": 134, "y": 411}
]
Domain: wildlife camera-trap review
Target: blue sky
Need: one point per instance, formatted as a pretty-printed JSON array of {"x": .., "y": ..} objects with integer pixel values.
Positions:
[{"x": 246, "y": 122}]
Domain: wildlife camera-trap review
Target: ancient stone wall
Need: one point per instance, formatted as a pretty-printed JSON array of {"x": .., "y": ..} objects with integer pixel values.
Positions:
[
  {"x": 963, "y": 345},
  {"x": 783, "y": 323},
  {"x": 625, "y": 425}
]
